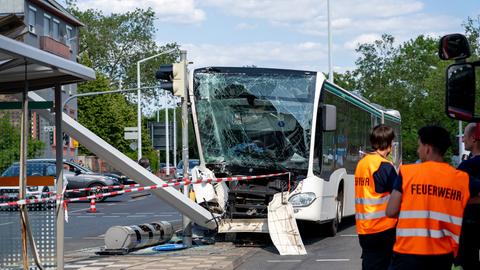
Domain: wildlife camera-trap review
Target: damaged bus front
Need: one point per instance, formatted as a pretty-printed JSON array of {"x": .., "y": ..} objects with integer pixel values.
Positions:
[{"x": 253, "y": 122}]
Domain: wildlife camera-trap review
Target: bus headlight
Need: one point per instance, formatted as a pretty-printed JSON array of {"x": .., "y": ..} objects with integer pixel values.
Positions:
[{"x": 302, "y": 199}]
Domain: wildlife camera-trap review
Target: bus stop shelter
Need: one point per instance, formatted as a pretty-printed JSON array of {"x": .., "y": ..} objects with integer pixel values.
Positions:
[{"x": 24, "y": 68}]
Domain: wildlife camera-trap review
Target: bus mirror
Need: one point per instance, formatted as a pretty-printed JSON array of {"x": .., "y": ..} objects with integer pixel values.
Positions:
[
  {"x": 460, "y": 96},
  {"x": 329, "y": 117},
  {"x": 453, "y": 47}
]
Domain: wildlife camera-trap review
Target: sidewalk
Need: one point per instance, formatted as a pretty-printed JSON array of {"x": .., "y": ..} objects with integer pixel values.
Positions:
[{"x": 221, "y": 255}]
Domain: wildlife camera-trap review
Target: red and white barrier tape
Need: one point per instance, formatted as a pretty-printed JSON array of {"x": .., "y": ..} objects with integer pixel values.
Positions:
[
  {"x": 114, "y": 193},
  {"x": 89, "y": 188}
]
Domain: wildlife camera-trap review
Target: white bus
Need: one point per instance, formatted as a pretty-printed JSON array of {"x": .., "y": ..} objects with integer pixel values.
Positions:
[{"x": 255, "y": 121}]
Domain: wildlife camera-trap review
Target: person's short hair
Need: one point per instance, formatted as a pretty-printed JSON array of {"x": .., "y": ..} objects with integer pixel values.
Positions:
[
  {"x": 144, "y": 162},
  {"x": 435, "y": 136},
  {"x": 381, "y": 137}
]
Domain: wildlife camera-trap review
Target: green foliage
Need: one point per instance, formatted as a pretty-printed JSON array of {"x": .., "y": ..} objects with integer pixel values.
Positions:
[
  {"x": 116, "y": 42},
  {"x": 410, "y": 78},
  {"x": 472, "y": 31},
  {"x": 10, "y": 143}
]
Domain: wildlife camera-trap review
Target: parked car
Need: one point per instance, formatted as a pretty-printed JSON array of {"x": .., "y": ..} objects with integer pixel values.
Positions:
[
  {"x": 163, "y": 169},
  {"x": 124, "y": 180},
  {"x": 191, "y": 163},
  {"x": 164, "y": 165},
  {"x": 76, "y": 175},
  {"x": 11, "y": 193}
]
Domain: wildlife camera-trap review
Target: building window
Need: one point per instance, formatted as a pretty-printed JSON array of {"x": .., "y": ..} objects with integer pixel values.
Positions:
[
  {"x": 46, "y": 25},
  {"x": 69, "y": 40},
  {"x": 56, "y": 29},
  {"x": 31, "y": 18}
]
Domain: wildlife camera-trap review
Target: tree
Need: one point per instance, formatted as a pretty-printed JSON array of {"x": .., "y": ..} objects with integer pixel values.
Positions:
[
  {"x": 409, "y": 78},
  {"x": 116, "y": 42},
  {"x": 107, "y": 115},
  {"x": 10, "y": 143},
  {"x": 472, "y": 32}
]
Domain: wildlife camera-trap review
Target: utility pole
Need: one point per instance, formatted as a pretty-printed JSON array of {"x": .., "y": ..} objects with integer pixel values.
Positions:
[
  {"x": 187, "y": 224},
  {"x": 167, "y": 142},
  {"x": 330, "y": 69},
  {"x": 175, "y": 135}
]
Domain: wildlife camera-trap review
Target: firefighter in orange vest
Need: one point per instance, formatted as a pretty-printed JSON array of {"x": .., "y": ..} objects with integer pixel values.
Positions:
[
  {"x": 374, "y": 178},
  {"x": 429, "y": 198}
]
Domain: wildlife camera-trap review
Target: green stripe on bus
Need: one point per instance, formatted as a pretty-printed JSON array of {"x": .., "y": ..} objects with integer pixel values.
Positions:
[
  {"x": 359, "y": 103},
  {"x": 34, "y": 105}
]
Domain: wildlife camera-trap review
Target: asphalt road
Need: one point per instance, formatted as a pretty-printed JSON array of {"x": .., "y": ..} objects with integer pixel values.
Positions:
[
  {"x": 86, "y": 230},
  {"x": 341, "y": 252}
]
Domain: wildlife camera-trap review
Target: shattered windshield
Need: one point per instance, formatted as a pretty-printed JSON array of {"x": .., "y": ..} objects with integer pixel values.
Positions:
[{"x": 255, "y": 117}]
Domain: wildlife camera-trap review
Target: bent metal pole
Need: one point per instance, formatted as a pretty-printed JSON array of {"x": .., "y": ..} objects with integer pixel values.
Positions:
[{"x": 187, "y": 224}]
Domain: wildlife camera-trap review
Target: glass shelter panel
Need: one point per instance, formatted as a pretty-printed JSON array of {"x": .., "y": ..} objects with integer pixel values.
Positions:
[{"x": 41, "y": 215}]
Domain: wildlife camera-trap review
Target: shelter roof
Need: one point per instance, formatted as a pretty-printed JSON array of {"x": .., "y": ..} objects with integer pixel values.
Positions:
[{"x": 43, "y": 69}]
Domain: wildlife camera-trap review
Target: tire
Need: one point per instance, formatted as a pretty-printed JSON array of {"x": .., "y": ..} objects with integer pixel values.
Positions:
[
  {"x": 334, "y": 224},
  {"x": 96, "y": 190}
]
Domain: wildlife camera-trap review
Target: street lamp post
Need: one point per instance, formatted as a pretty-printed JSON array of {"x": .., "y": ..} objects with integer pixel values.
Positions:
[
  {"x": 139, "y": 105},
  {"x": 330, "y": 68}
]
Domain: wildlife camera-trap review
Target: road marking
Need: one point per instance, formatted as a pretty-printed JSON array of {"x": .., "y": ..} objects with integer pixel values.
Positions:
[
  {"x": 175, "y": 220},
  {"x": 111, "y": 216},
  {"x": 120, "y": 213},
  {"x": 110, "y": 204},
  {"x": 85, "y": 216},
  {"x": 79, "y": 210},
  {"x": 134, "y": 216},
  {"x": 332, "y": 260},
  {"x": 145, "y": 213},
  {"x": 90, "y": 238},
  {"x": 6, "y": 223},
  {"x": 162, "y": 215},
  {"x": 284, "y": 261},
  {"x": 349, "y": 235}
]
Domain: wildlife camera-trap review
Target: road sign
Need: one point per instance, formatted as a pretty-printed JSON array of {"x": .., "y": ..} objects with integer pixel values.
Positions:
[
  {"x": 130, "y": 133},
  {"x": 133, "y": 146},
  {"x": 158, "y": 135}
]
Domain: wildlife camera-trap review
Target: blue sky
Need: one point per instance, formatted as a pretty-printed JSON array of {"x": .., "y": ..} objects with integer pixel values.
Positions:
[{"x": 290, "y": 34}]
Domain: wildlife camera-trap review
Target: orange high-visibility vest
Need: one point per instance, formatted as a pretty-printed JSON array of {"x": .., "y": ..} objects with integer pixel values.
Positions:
[
  {"x": 434, "y": 195},
  {"x": 369, "y": 205}
]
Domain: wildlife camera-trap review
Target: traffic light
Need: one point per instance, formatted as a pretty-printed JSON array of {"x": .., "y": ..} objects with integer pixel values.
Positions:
[
  {"x": 50, "y": 135},
  {"x": 173, "y": 78}
]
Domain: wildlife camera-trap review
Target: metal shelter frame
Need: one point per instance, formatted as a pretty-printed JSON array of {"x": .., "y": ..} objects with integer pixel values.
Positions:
[{"x": 22, "y": 69}]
